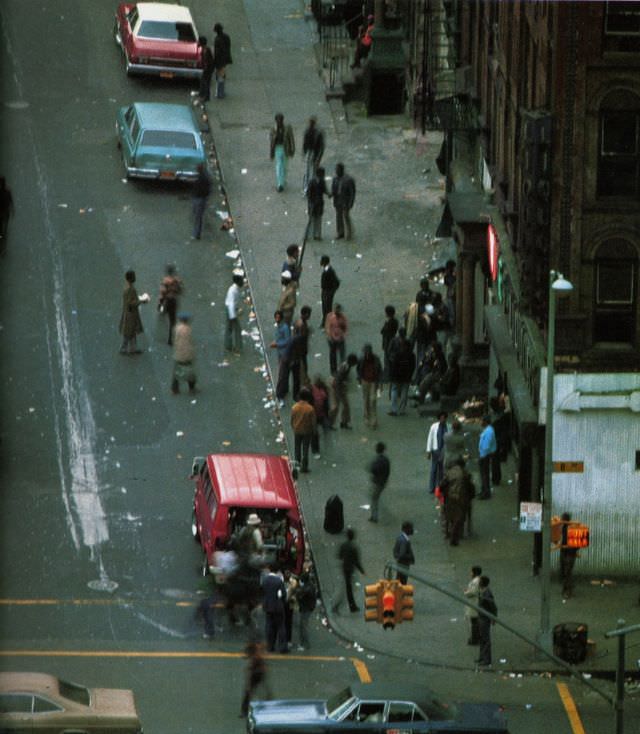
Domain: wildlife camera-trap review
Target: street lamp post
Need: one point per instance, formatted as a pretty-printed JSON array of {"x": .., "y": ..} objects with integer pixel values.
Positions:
[{"x": 557, "y": 286}]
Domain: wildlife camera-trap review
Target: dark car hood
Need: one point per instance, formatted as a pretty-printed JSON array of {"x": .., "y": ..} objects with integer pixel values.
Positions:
[{"x": 289, "y": 711}]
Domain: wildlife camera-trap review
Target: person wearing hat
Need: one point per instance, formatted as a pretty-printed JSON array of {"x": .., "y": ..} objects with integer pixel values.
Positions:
[
  {"x": 233, "y": 308},
  {"x": 250, "y": 542},
  {"x": 288, "y": 296},
  {"x": 183, "y": 355}
]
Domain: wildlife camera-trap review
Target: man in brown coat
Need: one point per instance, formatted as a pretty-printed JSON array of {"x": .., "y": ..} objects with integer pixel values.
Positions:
[
  {"x": 303, "y": 422},
  {"x": 458, "y": 491},
  {"x": 130, "y": 322}
]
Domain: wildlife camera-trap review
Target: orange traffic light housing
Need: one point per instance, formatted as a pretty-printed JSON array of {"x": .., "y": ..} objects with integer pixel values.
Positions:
[
  {"x": 372, "y": 602},
  {"x": 405, "y": 603},
  {"x": 389, "y": 605}
]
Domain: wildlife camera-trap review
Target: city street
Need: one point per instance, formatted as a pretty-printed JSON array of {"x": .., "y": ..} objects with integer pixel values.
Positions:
[{"x": 100, "y": 574}]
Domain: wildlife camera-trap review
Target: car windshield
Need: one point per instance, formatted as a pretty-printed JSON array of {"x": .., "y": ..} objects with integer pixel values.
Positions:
[
  {"x": 168, "y": 139},
  {"x": 336, "y": 703},
  {"x": 74, "y": 692},
  {"x": 166, "y": 31}
]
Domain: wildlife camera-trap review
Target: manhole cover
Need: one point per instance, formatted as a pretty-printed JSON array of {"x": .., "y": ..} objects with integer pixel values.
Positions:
[{"x": 103, "y": 585}]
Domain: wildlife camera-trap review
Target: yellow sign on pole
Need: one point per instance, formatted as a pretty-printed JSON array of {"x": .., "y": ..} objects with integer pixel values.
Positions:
[{"x": 568, "y": 467}]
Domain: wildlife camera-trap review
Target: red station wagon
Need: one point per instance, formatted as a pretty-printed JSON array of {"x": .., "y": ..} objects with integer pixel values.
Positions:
[{"x": 230, "y": 487}]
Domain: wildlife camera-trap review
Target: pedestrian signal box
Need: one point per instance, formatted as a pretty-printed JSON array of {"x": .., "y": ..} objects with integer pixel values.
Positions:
[
  {"x": 388, "y": 602},
  {"x": 577, "y": 533}
]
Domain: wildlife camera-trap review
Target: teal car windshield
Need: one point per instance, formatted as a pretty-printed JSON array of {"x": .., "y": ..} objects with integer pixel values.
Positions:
[
  {"x": 166, "y": 31},
  {"x": 168, "y": 139}
]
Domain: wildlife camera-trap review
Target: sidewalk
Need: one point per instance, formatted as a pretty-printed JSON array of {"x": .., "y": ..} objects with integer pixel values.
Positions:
[{"x": 398, "y": 207}]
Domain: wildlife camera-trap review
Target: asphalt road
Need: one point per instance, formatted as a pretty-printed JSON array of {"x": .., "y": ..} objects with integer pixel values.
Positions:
[{"x": 98, "y": 570}]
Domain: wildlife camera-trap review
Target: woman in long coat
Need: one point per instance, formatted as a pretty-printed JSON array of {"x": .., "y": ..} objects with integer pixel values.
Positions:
[{"x": 130, "y": 322}]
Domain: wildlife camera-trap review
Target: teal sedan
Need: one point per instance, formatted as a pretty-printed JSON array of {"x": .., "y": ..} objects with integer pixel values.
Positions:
[{"x": 160, "y": 141}]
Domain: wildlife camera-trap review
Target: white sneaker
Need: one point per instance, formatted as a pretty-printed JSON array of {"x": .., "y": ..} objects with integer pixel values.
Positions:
[{"x": 316, "y": 456}]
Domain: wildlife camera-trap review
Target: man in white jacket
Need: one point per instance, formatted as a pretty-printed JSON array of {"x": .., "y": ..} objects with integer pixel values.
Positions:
[{"x": 435, "y": 450}]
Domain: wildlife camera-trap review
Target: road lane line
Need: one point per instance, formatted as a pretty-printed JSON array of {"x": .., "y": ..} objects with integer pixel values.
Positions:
[
  {"x": 362, "y": 670},
  {"x": 570, "y": 708}
]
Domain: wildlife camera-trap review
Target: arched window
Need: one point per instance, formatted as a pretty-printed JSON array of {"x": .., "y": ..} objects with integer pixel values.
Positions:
[
  {"x": 619, "y": 152},
  {"x": 616, "y": 292}
]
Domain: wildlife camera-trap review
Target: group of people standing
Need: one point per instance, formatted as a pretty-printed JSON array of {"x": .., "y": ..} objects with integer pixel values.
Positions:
[{"x": 214, "y": 61}]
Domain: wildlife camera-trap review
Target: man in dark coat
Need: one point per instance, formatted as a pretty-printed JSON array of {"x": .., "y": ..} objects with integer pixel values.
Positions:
[
  {"x": 379, "y": 469},
  {"x": 402, "y": 362},
  {"x": 313, "y": 150},
  {"x": 130, "y": 322},
  {"x": 200, "y": 195},
  {"x": 316, "y": 190},
  {"x": 329, "y": 284},
  {"x": 343, "y": 192},
  {"x": 402, "y": 550},
  {"x": 221, "y": 58},
  {"x": 458, "y": 490},
  {"x": 349, "y": 555},
  {"x": 273, "y": 601},
  {"x": 487, "y": 603},
  {"x": 207, "y": 69}
]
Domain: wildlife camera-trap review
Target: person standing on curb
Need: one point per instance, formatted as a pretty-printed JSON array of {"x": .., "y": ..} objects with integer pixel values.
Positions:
[
  {"x": 388, "y": 331},
  {"x": 336, "y": 327},
  {"x": 487, "y": 603},
  {"x": 292, "y": 263},
  {"x": 349, "y": 555},
  {"x": 455, "y": 444},
  {"x": 402, "y": 550},
  {"x": 343, "y": 193},
  {"x": 486, "y": 449},
  {"x": 435, "y": 450},
  {"x": 130, "y": 321},
  {"x": 282, "y": 147},
  {"x": 369, "y": 377},
  {"x": 307, "y": 598},
  {"x": 273, "y": 601},
  {"x": 200, "y": 196},
  {"x": 313, "y": 150},
  {"x": 341, "y": 392},
  {"x": 315, "y": 192},
  {"x": 402, "y": 363},
  {"x": 472, "y": 592},
  {"x": 221, "y": 58},
  {"x": 184, "y": 355},
  {"x": 379, "y": 470},
  {"x": 282, "y": 342},
  {"x": 299, "y": 350},
  {"x": 170, "y": 290},
  {"x": 329, "y": 284},
  {"x": 303, "y": 422},
  {"x": 232, "y": 304},
  {"x": 458, "y": 491},
  {"x": 207, "y": 69},
  {"x": 288, "y": 296}
]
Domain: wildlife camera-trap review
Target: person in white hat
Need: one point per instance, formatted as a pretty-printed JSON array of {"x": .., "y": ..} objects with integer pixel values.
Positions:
[
  {"x": 288, "y": 296},
  {"x": 250, "y": 540}
]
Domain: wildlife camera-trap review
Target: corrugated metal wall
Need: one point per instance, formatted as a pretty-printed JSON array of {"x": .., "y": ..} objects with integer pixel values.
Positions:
[{"x": 607, "y": 495}]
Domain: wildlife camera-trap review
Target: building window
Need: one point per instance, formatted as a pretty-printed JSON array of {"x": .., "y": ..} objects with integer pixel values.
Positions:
[
  {"x": 622, "y": 19},
  {"x": 619, "y": 152},
  {"x": 616, "y": 275}
]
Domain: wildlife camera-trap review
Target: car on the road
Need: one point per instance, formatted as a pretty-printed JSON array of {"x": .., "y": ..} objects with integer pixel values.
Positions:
[
  {"x": 158, "y": 39},
  {"x": 389, "y": 708},
  {"x": 160, "y": 141},
  {"x": 37, "y": 702},
  {"x": 230, "y": 488}
]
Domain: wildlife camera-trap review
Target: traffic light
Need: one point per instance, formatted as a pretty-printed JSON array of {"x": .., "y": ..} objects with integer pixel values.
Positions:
[
  {"x": 404, "y": 611},
  {"x": 390, "y": 598},
  {"x": 373, "y": 602},
  {"x": 577, "y": 535}
]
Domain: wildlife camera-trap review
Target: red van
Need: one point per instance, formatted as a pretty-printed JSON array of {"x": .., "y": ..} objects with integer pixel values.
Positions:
[{"x": 230, "y": 487}]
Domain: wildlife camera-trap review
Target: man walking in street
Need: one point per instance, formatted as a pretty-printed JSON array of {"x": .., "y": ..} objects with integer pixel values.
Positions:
[
  {"x": 200, "y": 196},
  {"x": 315, "y": 191},
  {"x": 458, "y": 491},
  {"x": 329, "y": 284},
  {"x": 130, "y": 321},
  {"x": 282, "y": 146},
  {"x": 343, "y": 192},
  {"x": 435, "y": 450},
  {"x": 303, "y": 422},
  {"x": 207, "y": 69},
  {"x": 388, "y": 331},
  {"x": 487, "y": 603},
  {"x": 349, "y": 555},
  {"x": 369, "y": 377},
  {"x": 486, "y": 449},
  {"x": 255, "y": 676},
  {"x": 233, "y": 308},
  {"x": 299, "y": 350},
  {"x": 336, "y": 327},
  {"x": 184, "y": 354},
  {"x": 379, "y": 470},
  {"x": 340, "y": 404},
  {"x": 568, "y": 557},
  {"x": 472, "y": 592},
  {"x": 402, "y": 363},
  {"x": 221, "y": 58},
  {"x": 170, "y": 290},
  {"x": 274, "y": 596},
  {"x": 402, "y": 550},
  {"x": 313, "y": 150},
  {"x": 282, "y": 342}
]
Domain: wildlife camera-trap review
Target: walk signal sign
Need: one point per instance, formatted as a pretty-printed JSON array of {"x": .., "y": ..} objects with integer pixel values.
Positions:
[
  {"x": 388, "y": 602},
  {"x": 577, "y": 535}
]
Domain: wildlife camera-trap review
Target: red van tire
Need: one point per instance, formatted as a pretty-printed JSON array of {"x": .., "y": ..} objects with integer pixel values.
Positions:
[{"x": 194, "y": 527}]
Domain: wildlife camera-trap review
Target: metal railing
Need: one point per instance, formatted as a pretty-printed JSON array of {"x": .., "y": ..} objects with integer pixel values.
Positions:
[{"x": 337, "y": 51}]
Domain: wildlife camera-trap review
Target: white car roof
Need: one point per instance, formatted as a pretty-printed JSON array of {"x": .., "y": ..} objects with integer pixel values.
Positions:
[{"x": 164, "y": 11}]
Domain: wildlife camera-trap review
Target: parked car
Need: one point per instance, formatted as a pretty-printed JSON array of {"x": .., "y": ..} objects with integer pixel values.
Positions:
[
  {"x": 160, "y": 141},
  {"x": 158, "y": 39},
  {"x": 375, "y": 707},
  {"x": 231, "y": 487},
  {"x": 43, "y": 703}
]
